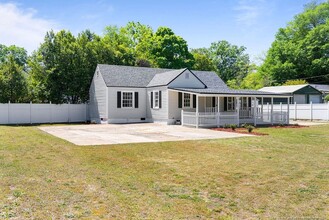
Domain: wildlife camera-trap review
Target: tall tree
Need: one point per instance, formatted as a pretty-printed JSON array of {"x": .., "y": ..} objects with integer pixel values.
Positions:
[
  {"x": 19, "y": 54},
  {"x": 12, "y": 81},
  {"x": 300, "y": 50},
  {"x": 169, "y": 50},
  {"x": 231, "y": 61},
  {"x": 202, "y": 60}
]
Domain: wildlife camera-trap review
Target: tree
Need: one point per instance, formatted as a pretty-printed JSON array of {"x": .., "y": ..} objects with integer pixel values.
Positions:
[
  {"x": 300, "y": 50},
  {"x": 231, "y": 61},
  {"x": 12, "y": 81},
  {"x": 326, "y": 98},
  {"x": 169, "y": 50},
  {"x": 202, "y": 60},
  {"x": 295, "y": 82},
  {"x": 19, "y": 54}
]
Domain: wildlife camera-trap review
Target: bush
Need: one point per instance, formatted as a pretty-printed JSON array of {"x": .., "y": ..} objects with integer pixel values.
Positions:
[
  {"x": 233, "y": 126},
  {"x": 326, "y": 98},
  {"x": 250, "y": 128},
  {"x": 227, "y": 126}
]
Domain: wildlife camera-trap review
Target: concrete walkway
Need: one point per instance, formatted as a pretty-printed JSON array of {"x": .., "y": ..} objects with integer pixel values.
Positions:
[{"x": 132, "y": 133}]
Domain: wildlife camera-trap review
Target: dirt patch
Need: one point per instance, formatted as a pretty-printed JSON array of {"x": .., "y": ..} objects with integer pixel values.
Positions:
[{"x": 240, "y": 131}]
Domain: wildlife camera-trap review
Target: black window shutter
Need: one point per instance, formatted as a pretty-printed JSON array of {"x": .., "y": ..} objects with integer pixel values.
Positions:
[
  {"x": 180, "y": 100},
  {"x": 160, "y": 99},
  {"x": 249, "y": 102},
  {"x": 136, "y": 99},
  {"x": 225, "y": 104},
  {"x": 234, "y": 100},
  {"x": 194, "y": 101},
  {"x": 118, "y": 99},
  {"x": 213, "y": 102},
  {"x": 151, "y": 99}
]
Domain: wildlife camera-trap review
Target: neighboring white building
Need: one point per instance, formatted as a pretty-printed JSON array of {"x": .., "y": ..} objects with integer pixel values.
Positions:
[
  {"x": 124, "y": 94},
  {"x": 301, "y": 94}
]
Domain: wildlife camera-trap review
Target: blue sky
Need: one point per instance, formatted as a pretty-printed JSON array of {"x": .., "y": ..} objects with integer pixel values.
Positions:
[{"x": 251, "y": 23}]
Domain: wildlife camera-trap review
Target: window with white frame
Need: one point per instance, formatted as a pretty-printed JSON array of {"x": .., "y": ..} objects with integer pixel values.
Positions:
[
  {"x": 187, "y": 100},
  {"x": 230, "y": 103},
  {"x": 156, "y": 99},
  {"x": 127, "y": 99}
]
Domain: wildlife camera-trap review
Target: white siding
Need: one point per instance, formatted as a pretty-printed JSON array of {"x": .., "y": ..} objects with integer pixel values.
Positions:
[
  {"x": 161, "y": 114},
  {"x": 127, "y": 115},
  {"x": 186, "y": 82},
  {"x": 98, "y": 98}
]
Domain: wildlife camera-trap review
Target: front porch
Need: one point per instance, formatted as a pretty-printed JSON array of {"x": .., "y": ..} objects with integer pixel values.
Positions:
[{"x": 220, "y": 110}]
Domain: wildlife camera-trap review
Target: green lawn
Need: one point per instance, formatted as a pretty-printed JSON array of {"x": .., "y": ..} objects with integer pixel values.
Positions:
[{"x": 283, "y": 175}]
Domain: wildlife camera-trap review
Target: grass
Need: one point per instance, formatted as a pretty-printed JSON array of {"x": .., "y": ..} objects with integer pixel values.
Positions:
[{"x": 282, "y": 175}]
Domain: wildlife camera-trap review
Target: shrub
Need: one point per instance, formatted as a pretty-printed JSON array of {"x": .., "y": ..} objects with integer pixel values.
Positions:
[
  {"x": 227, "y": 126},
  {"x": 244, "y": 125},
  {"x": 233, "y": 126},
  {"x": 326, "y": 98},
  {"x": 250, "y": 128}
]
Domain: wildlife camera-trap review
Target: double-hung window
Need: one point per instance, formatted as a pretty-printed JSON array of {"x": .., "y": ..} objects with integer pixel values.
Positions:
[
  {"x": 156, "y": 99},
  {"x": 127, "y": 99},
  {"x": 187, "y": 100}
]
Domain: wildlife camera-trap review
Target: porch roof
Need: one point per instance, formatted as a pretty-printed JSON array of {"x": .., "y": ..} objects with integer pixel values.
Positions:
[{"x": 228, "y": 91}]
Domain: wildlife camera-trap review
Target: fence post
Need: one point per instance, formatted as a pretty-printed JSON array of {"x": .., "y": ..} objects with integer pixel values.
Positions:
[
  {"x": 8, "y": 112},
  {"x": 281, "y": 111},
  {"x": 295, "y": 110},
  {"x": 30, "y": 112},
  {"x": 68, "y": 112},
  {"x": 311, "y": 110},
  {"x": 328, "y": 110},
  {"x": 51, "y": 113}
]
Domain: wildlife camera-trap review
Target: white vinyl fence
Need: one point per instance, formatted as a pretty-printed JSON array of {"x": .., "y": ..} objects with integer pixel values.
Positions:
[
  {"x": 304, "y": 111},
  {"x": 28, "y": 113}
]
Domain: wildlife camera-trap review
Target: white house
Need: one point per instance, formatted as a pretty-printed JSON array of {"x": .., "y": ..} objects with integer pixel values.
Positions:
[{"x": 125, "y": 94}]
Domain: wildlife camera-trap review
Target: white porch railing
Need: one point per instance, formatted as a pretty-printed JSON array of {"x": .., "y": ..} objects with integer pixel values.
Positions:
[{"x": 218, "y": 119}]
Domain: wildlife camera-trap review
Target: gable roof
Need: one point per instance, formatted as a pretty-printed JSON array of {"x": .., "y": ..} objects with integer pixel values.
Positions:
[
  {"x": 321, "y": 87},
  {"x": 128, "y": 76},
  {"x": 283, "y": 89}
]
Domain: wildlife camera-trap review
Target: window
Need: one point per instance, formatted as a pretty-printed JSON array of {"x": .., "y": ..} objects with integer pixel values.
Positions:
[
  {"x": 127, "y": 99},
  {"x": 187, "y": 100},
  {"x": 230, "y": 103},
  {"x": 156, "y": 99}
]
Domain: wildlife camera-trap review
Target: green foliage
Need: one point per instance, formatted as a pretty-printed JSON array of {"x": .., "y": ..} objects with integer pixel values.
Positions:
[
  {"x": 295, "y": 82},
  {"x": 12, "y": 81},
  {"x": 326, "y": 98},
  {"x": 233, "y": 126},
  {"x": 169, "y": 50},
  {"x": 231, "y": 61},
  {"x": 19, "y": 54},
  {"x": 250, "y": 128},
  {"x": 300, "y": 50},
  {"x": 202, "y": 60}
]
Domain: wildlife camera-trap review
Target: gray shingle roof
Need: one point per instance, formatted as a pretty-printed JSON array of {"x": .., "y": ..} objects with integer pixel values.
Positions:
[
  {"x": 128, "y": 76},
  {"x": 165, "y": 78}
]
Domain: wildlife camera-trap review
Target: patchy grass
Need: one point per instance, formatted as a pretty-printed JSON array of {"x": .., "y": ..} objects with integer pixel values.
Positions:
[{"x": 283, "y": 175}]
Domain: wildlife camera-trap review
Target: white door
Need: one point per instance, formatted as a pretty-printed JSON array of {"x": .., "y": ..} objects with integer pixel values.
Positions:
[
  {"x": 315, "y": 98},
  {"x": 300, "y": 99}
]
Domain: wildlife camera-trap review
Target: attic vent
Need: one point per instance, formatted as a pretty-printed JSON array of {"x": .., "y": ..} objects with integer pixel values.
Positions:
[
  {"x": 187, "y": 75},
  {"x": 97, "y": 73}
]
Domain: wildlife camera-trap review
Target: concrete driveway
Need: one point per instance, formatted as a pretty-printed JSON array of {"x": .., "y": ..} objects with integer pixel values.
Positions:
[{"x": 101, "y": 134}]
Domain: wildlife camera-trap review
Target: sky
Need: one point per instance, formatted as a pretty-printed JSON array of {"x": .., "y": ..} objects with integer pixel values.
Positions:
[{"x": 249, "y": 23}]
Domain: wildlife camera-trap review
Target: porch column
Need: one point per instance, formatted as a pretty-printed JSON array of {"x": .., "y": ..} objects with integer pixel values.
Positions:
[
  {"x": 262, "y": 106},
  {"x": 197, "y": 112},
  {"x": 218, "y": 109},
  {"x": 288, "y": 110},
  {"x": 272, "y": 110},
  {"x": 237, "y": 106},
  {"x": 255, "y": 111}
]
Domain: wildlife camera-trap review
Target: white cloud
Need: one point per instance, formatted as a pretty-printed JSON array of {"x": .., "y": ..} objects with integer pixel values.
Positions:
[
  {"x": 249, "y": 11},
  {"x": 21, "y": 27}
]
